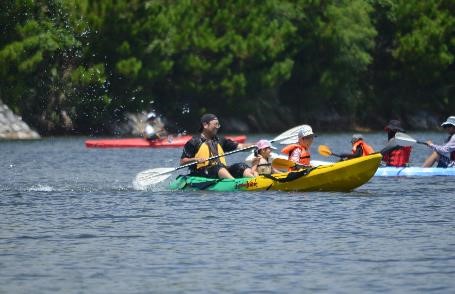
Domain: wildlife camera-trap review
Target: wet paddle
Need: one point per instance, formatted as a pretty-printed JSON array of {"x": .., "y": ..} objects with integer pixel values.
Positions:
[{"x": 153, "y": 176}]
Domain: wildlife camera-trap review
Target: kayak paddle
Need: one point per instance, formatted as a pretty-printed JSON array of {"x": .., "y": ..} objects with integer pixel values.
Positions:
[
  {"x": 402, "y": 139},
  {"x": 325, "y": 151},
  {"x": 153, "y": 176}
]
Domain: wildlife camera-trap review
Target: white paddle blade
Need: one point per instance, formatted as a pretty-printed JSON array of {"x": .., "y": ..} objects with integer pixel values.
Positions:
[
  {"x": 289, "y": 135},
  {"x": 402, "y": 139},
  {"x": 291, "y": 140},
  {"x": 151, "y": 177}
]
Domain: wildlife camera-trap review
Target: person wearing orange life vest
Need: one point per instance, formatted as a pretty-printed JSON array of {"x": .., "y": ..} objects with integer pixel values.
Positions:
[
  {"x": 300, "y": 152},
  {"x": 397, "y": 156},
  {"x": 359, "y": 148}
]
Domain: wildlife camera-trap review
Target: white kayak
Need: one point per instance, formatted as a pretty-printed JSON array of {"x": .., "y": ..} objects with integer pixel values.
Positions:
[{"x": 414, "y": 171}]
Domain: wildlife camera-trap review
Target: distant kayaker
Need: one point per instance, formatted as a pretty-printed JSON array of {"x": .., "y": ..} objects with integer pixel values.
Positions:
[
  {"x": 397, "y": 156},
  {"x": 200, "y": 147},
  {"x": 263, "y": 164},
  {"x": 300, "y": 152},
  {"x": 443, "y": 154},
  {"x": 359, "y": 148},
  {"x": 154, "y": 128}
]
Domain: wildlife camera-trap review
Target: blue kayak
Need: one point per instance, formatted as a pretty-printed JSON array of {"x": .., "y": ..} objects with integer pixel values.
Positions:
[{"x": 414, "y": 172}]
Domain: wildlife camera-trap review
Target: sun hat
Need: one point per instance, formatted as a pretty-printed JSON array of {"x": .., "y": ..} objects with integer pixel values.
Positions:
[
  {"x": 206, "y": 118},
  {"x": 356, "y": 137},
  {"x": 305, "y": 131},
  {"x": 450, "y": 121},
  {"x": 394, "y": 125},
  {"x": 151, "y": 115},
  {"x": 261, "y": 144}
]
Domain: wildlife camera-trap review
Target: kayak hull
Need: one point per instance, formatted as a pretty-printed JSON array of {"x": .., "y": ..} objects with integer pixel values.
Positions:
[
  {"x": 169, "y": 142},
  {"x": 414, "y": 172},
  {"x": 341, "y": 176}
]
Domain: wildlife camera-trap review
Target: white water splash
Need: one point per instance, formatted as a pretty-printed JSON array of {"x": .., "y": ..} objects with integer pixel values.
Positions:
[{"x": 41, "y": 188}]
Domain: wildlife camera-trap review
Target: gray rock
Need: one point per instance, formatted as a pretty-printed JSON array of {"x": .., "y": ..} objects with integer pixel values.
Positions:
[{"x": 13, "y": 127}]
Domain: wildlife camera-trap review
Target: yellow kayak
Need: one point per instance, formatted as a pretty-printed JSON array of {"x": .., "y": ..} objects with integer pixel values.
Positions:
[{"x": 340, "y": 176}]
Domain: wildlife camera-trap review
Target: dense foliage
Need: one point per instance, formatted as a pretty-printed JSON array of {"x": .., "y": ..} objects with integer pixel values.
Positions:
[{"x": 73, "y": 66}]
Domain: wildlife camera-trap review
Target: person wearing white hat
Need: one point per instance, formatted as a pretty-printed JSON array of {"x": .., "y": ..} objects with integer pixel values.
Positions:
[
  {"x": 300, "y": 152},
  {"x": 443, "y": 154},
  {"x": 154, "y": 128},
  {"x": 263, "y": 164},
  {"x": 359, "y": 148}
]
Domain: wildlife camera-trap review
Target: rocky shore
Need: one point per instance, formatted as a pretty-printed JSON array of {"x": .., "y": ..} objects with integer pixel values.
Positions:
[{"x": 12, "y": 127}]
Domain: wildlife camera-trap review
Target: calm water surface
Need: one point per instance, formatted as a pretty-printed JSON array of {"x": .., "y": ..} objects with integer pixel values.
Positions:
[{"x": 71, "y": 222}]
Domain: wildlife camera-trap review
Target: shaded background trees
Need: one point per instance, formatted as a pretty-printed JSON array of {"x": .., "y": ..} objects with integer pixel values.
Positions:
[{"x": 77, "y": 66}]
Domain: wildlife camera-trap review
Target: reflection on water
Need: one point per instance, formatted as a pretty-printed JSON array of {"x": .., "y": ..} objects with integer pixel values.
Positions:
[{"x": 72, "y": 222}]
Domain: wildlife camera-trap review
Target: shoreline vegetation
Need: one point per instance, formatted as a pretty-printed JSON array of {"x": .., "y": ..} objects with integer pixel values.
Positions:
[{"x": 92, "y": 67}]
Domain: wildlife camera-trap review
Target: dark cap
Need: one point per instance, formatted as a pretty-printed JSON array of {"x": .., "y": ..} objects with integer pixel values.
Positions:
[
  {"x": 206, "y": 118},
  {"x": 394, "y": 125},
  {"x": 356, "y": 137}
]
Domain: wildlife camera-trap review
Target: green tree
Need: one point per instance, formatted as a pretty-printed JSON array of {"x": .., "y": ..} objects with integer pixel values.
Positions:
[
  {"x": 413, "y": 58},
  {"x": 334, "y": 43},
  {"x": 36, "y": 45}
]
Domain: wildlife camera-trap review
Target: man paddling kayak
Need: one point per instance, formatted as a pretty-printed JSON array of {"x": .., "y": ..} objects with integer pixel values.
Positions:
[
  {"x": 397, "y": 156},
  {"x": 443, "y": 154},
  {"x": 200, "y": 147}
]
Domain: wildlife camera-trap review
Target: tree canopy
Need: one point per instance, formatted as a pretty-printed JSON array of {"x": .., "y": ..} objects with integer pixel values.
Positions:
[{"x": 75, "y": 66}]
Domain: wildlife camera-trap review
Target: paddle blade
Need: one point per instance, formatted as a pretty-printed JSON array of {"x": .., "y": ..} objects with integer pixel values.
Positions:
[
  {"x": 324, "y": 150},
  {"x": 288, "y": 134},
  {"x": 288, "y": 137},
  {"x": 150, "y": 177},
  {"x": 280, "y": 163},
  {"x": 402, "y": 139},
  {"x": 291, "y": 140}
]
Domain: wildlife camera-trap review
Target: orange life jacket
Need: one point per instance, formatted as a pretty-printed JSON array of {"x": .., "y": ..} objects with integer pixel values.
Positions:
[
  {"x": 367, "y": 149},
  {"x": 304, "y": 153}
]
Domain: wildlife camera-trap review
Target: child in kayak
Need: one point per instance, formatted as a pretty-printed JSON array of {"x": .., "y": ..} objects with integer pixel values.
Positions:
[
  {"x": 359, "y": 148},
  {"x": 263, "y": 164},
  {"x": 443, "y": 154},
  {"x": 300, "y": 152}
]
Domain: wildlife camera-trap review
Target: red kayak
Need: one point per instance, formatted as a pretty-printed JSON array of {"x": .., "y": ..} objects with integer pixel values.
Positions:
[{"x": 169, "y": 142}]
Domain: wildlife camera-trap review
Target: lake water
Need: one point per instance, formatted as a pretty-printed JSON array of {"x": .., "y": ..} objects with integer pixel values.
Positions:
[{"x": 71, "y": 222}]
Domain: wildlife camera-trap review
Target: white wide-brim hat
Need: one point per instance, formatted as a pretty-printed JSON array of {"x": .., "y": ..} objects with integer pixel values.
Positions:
[{"x": 449, "y": 122}]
